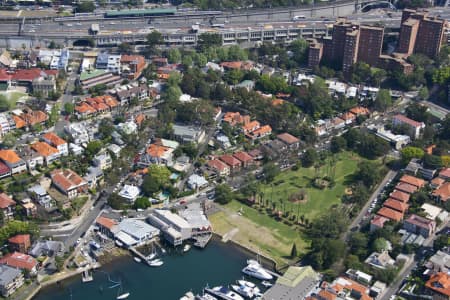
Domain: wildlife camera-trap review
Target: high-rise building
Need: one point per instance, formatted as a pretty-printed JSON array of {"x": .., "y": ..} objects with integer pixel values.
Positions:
[
  {"x": 408, "y": 35},
  {"x": 420, "y": 34},
  {"x": 370, "y": 44},
  {"x": 350, "y": 49},
  {"x": 340, "y": 29},
  {"x": 430, "y": 36},
  {"x": 314, "y": 53}
]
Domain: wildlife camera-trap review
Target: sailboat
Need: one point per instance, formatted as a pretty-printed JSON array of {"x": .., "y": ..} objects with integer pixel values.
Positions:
[{"x": 152, "y": 255}]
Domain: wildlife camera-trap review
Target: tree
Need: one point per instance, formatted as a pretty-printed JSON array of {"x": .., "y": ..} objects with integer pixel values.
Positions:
[
  {"x": 299, "y": 50},
  {"x": 105, "y": 128},
  {"x": 93, "y": 147},
  {"x": 208, "y": 40},
  {"x": 115, "y": 201},
  {"x": 4, "y": 103},
  {"x": 440, "y": 242},
  {"x": 142, "y": 203},
  {"x": 432, "y": 161},
  {"x": 270, "y": 171},
  {"x": 379, "y": 244},
  {"x": 294, "y": 251},
  {"x": 85, "y": 7},
  {"x": 309, "y": 158},
  {"x": 125, "y": 47},
  {"x": 9, "y": 140},
  {"x": 411, "y": 152},
  {"x": 423, "y": 93},
  {"x": 367, "y": 173},
  {"x": 383, "y": 100},
  {"x": 338, "y": 143},
  {"x": 223, "y": 194},
  {"x": 154, "y": 39},
  {"x": 158, "y": 178},
  {"x": 358, "y": 244},
  {"x": 174, "y": 56}
]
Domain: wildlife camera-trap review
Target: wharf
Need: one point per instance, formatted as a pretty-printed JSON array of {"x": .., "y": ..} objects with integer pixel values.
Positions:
[{"x": 202, "y": 240}]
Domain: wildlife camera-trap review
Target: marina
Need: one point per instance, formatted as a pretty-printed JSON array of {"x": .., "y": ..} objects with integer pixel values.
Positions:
[{"x": 217, "y": 265}]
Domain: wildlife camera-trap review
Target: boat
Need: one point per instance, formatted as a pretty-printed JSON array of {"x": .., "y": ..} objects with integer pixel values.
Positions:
[
  {"x": 251, "y": 285},
  {"x": 163, "y": 251},
  {"x": 151, "y": 256},
  {"x": 155, "y": 263},
  {"x": 205, "y": 297},
  {"x": 255, "y": 270},
  {"x": 186, "y": 248},
  {"x": 188, "y": 296},
  {"x": 223, "y": 293},
  {"x": 86, "y": 276},
  {"x": 266, "y": 284},
  {"x": 123, "y": 296},
  {"x": 137, "y": 259},
  {"x": 243, "y": 290},
  {"x": 118, "y": 243}
]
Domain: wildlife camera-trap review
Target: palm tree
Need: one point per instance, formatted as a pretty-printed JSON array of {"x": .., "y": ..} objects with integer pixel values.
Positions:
[{"x": 302, "y": 219}]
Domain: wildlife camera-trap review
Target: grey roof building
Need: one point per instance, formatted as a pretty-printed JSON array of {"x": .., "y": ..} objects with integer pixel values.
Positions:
[
  {"x": 47, "y": 248},
  {"x": 10, "y": 280},
  {"x": 188, "y": 134},
  {"x": 133, "y": 232}
]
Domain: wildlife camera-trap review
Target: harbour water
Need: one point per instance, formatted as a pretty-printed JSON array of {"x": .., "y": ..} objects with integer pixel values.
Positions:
[{"x": 217, "y": 264}]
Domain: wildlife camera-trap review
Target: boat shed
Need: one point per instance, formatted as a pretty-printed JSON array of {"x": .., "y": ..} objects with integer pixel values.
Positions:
[{"x": 133, "y": 232}]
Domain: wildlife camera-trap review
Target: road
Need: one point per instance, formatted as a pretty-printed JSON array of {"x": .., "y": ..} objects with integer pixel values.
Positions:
[{"x": 389, "y": 176}]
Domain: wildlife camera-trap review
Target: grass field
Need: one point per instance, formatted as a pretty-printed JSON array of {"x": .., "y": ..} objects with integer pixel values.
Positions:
[
  {"x": 13, "y": 97},
  {"x": 261, "y": 232},
  {"x": 317, "y": 200}
]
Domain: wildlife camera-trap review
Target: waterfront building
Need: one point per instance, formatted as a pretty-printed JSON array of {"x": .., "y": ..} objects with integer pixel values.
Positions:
[
  {"x": 10, "y": 280},
  {"x": 133, "y": 232}
]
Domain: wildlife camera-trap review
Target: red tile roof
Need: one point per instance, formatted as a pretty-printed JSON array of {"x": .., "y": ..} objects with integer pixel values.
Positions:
[
  {"x": 405, "y": 187},
  {"x": 413, "y": 181},
  {"x": 262, "y": 131},
  {"x": 232, "y": 64},
  {"x": 4, "y": 169},
  {"x": 439, "y": 283},
  {"x": 156, "y": 150},
  {"x": 9, "y": 156},
  {"x": 25, "y": 74},
  {"x": 20, "y": 239},
  {"x": 400, "y": 196},
  {"x": 230, "y": 160},
  {"x": 54, "y": 139},
  {"x": 6, "y": 201},
  {"x": 217, "y": 165},
  {"x": 443, "y": 192},
  {"x": 396, "y": 205},
  {"x": 421, "y": 222},
  {"x": 390, "y": 214},
  {"x": 406, "y": 120},
  {"x": 106, "y": 222},
  {"x": 379, "y": 221},
  {"x": 445, "y": 173},
  {"x": 243, "y": 156},
  {"x": 288, "y": 138},
  {"x": 44, "y": 149},
  {"x": 348, "y": 116},
  {"x": 359, "y": 110},
  {"x": 66, "y": 179},
  {"x": 19, "y": 260}
]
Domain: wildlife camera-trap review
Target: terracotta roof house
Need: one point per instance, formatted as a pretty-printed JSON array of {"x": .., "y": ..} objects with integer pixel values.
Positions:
[
  {"x": 338, "y": 123},
  {"x": 390, "y": 214},
  {"x": 250, "y": 127},
  {"x": 20, "y": 123},
  {"x": 417, "y": 182},
  {"x": 291, "y": 141},
  {"x": 359, "y": 110},
  {"x": 13, "y": 161},
  {"x": 442, "y": 193},
  {"x": 406, "y": 188},
  {"x": 261, "y": 132},
  {"x": 231, "y": 161},
  {"x": 20, "y": 243},
  {"x": 20, "y": 261},
  {"x": 396, "y": 205},
  {"x": 33, "y": 117},
  {"x": 57, "y": 142},
  {"x": 414, "y": 127},
  {"x": 132, "y": 66},
  {"x": 106, "y": 225},
  {"x": 244, "y": 157},
  {"x": 68, "y": 182},
  {"x": 229, "y": 65},
  {"x": 437, "y": 182},
  {"x": 156, "y": 154},
  {"x": 256, "y": 154},
  {"x": 439, "y": 285},
  {"x": 84, "y": 110},
  {"x": 219, "y": 167},
  {"x": 445, "y": 173},
  {"x": 234, "y": 118},
  {"x": 400, "y": 196},
  {"x": 5, "y": 171},
  {"x": 7, "y": 206},
  {"x": 348, "y": 117},
  {"x": 377, "y": 222},
  {"x": 420, "y": 225},
  {"x": 49, "y": 153}
]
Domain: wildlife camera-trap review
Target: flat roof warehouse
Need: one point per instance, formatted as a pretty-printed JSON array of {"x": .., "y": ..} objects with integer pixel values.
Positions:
[{"x": 140, "y": 12}]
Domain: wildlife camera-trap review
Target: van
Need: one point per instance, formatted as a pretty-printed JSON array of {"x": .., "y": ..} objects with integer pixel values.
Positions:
[{"x": 299, "y": 17}]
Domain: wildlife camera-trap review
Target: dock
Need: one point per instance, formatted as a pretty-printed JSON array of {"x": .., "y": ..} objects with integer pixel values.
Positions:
[
  {"x": 86, "y": 276},
  {"x": 202, "y": 240}
]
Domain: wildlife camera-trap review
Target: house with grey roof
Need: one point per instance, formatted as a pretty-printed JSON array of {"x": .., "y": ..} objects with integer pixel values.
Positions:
[
  {"x": 133, "y": 232},
  {"x": 47, "y": 248},
  {"x": 10, "y": 280},
  {"x": 188, "y": 134}
]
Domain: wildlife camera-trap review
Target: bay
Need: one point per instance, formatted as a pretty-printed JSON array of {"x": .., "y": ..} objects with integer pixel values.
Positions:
[{"x": 218, "y": 264}]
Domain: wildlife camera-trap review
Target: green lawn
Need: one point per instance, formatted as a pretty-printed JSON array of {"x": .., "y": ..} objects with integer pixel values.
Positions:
[
  {"x": 259, "y": 231},
  {"x": 13, "y": 97},
  {"x": 317, "y": 200}
]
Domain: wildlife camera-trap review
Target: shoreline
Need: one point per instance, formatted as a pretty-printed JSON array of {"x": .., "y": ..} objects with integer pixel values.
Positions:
[{"x": 118, "y": 254}]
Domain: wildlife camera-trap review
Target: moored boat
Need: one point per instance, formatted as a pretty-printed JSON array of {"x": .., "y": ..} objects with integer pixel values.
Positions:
[
  {"x": 223, "y": 293},
  {"x": 251, "y": 285},
  {"x": 257, "y": 271},
  {"x": 243, "y": 290},
  {"x": 266, "y": 284},
  {"x": 137, "y": 259},
  {"x": 186, "y": 248},
  {"x": 155, "y": 263}
]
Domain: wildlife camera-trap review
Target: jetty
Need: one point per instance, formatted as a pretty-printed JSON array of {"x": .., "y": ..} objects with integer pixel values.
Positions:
[
  {"x": 201, "y": 241},
  {"x": 86, "y": 276}
]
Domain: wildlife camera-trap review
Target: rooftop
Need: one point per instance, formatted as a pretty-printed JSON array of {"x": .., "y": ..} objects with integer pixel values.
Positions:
[
  {"x": 54, "y": 139},
  {"x": 439, "y": 283},
  {"x": 9, "y": 156},
  {"x": 412, "y": 180},
  {"x": 19, "y": 260},
  {"x": 288, "y": 138},
  {"x": 106, "y": 222},
  {"x": 390, "y": 214},
  {"x": 6, "y": 201}
]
